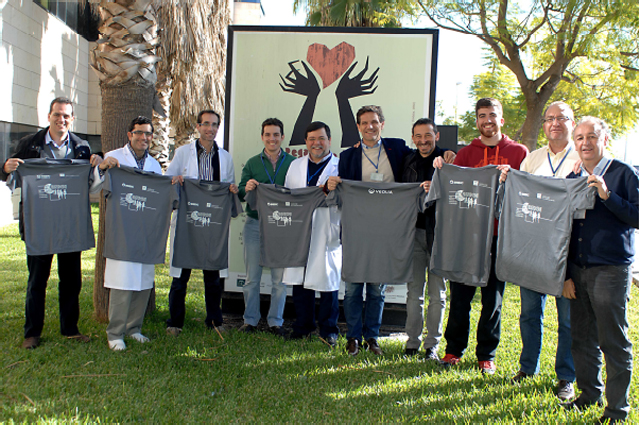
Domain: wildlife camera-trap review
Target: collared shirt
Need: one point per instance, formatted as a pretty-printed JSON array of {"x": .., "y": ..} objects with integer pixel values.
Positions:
[
  {"x": 139, "y": 161},
  {"x": 207, "y": 162},
  {"x": 59, "y": 152},
  {"x": 599, "y": 169},
  {"x": 375, "y": 160},
  {"x": 274, "y": 162},
  {"x": 543, "y": 162}
]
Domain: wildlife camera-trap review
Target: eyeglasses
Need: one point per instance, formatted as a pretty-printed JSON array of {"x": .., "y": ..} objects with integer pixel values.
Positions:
[
  {"x": 209, "y": 124},
  {"x": 143, "y": 133},
  {"x": 560, "y": 119}
]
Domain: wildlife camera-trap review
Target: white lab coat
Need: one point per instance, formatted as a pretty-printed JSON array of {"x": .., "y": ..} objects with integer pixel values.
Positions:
[
  {"x": 324, "y": 265},
  {"x": 126, "y": 275},
  {"x": 185, "y": 163}
]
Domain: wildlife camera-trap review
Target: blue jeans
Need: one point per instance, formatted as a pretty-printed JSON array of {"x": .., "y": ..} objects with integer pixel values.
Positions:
[
  {"x": 531, "y": 329},
  {"x": 251, "y": 288},
  {"x": 304, "y": 301},
  {"x": 599, "y": 326},
  {"x": 373, "y": 306}
]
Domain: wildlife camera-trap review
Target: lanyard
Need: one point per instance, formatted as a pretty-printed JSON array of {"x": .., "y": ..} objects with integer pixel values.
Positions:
[
  {"x": 322, "y": 167},
  {"x": 67, "y": 150},
  {"x": 554, "y": 171},
  {"x": 267, "y": 171},
  {"x": 366, "y": 156}
]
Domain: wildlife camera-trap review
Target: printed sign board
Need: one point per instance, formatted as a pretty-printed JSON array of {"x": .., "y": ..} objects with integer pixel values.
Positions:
[{"x": 305, "y": 74}]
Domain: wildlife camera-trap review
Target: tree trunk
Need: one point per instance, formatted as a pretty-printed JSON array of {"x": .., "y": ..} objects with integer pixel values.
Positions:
[{"x": 120, "y": 105}]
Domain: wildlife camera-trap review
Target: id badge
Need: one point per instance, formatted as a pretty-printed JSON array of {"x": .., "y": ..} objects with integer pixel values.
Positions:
[{"x": 377, "y": 177}]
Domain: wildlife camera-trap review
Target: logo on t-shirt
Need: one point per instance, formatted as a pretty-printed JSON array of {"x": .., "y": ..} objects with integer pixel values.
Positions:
[
  {"x": 530, "y": 213},
  {"x": 134, "y": 202},
  {"x": 55, "y": 192},
  {"x": 380, "y": 192},
  {"x": 280, "y": 218},
  {"x": 465, "y": 200},
  {"x": 199, "y": 219}
]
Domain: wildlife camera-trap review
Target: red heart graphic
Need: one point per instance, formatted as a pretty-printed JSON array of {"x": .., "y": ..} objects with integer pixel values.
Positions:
[{"x": 330, "y": 64}]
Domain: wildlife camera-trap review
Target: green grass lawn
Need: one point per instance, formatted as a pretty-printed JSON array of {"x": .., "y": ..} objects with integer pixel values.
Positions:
[{"x": 198, "y": 377}]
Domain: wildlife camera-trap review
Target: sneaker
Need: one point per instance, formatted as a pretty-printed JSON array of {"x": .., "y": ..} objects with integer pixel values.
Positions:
[
  {"x": 410, "y": 351},
  {"x": 220, "y": 329},
  {"x": 173, "y": 331},
  {"x": 140, "y": 338},
  {"x": 247, "y": 328},
  {"x": 449, "y": 360},
  {"x": 565, "y": 390},
  {"x": 431, "y": 354},
  {"x": 332, "y": 340},
  {"x": 519, "y": 377},
  {"x": 117, "y": 345},
  {"x": 373, "y": 347},
  {"x": 80, "y": 338},
  {"x": 353, "y": 347},
  {"x": 278, "y": 331},
  {"x": 487, "y": 367}
]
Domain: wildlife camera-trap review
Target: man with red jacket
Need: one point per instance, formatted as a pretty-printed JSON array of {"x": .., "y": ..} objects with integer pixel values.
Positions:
[{"x": 491, "y": 148}]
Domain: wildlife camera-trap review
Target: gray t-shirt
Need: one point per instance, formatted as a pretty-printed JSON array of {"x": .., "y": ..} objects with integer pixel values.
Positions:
[
  {"x": 138, "y": 211},
  {"x": 285, "y": 222},
  {"x": 202, "y": 228},
  {"x": 535, "y": 229},
  {"x": 465, "y": 206},
  {"x": 378, "y": 229},
  {"x": 55, "y": 205}
]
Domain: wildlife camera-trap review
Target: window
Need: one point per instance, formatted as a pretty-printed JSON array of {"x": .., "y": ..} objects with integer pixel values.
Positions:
[{"x": 77, "y": 17}]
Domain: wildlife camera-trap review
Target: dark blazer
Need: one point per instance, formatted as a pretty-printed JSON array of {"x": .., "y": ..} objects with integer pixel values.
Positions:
[
  {"x": 350, "y": 166},
  {"x": 31, "y": 146}
]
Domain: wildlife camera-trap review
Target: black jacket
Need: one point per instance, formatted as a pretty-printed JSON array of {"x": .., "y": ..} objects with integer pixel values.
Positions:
[
  {"x": 417, "y": 169},
  {"x": 31, "y": 146}
]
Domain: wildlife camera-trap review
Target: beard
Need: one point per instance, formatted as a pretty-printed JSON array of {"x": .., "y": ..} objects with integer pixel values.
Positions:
[{"x": 489, "y": 131}]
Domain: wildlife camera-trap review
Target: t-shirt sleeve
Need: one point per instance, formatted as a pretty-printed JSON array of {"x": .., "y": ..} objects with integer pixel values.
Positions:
[
  {"x": 251, "y": 199},
  {"x": 434, "y": 190},
  {"x": 334, "y": 198},
  {"x": 583, "y": 197},
  {"x": 175, "y": 196},
  {"x": 236, "y": 206},
  {"x": 106, "y": 186}
]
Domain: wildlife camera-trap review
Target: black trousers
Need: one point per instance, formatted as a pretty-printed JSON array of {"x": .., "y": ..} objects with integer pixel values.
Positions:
[
  {"x": 68, "y": 292},
  {"x": 213, "y": 288}
]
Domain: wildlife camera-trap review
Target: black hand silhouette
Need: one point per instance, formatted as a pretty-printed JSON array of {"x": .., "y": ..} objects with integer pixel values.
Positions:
[
  {"x": 295, "y": 82},
  {"x": 347, "y": 89},
  {"x": 357, "y": 86}
]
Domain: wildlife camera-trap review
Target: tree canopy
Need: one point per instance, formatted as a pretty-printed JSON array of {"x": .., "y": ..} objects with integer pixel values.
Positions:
[{"x": 582, "y": 51}]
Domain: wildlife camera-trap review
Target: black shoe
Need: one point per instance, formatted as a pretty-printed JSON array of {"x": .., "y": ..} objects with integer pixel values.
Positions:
[
  {"x": 247, "y": 328},
  {"x": 581, "y": 405},
  {"x": 431, "y": 354},
  {"x": 278, "y": 330},
  {"x": 410, "y": 351}
]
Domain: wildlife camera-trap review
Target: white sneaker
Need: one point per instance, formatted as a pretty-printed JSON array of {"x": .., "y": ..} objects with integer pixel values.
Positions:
[
  {"x": 117, "y": 345},
  {"x": 140, "y": 338}
]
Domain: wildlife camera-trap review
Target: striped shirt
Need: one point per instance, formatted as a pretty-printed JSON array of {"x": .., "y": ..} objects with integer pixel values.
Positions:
[{"x": 208, "y": 163}]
